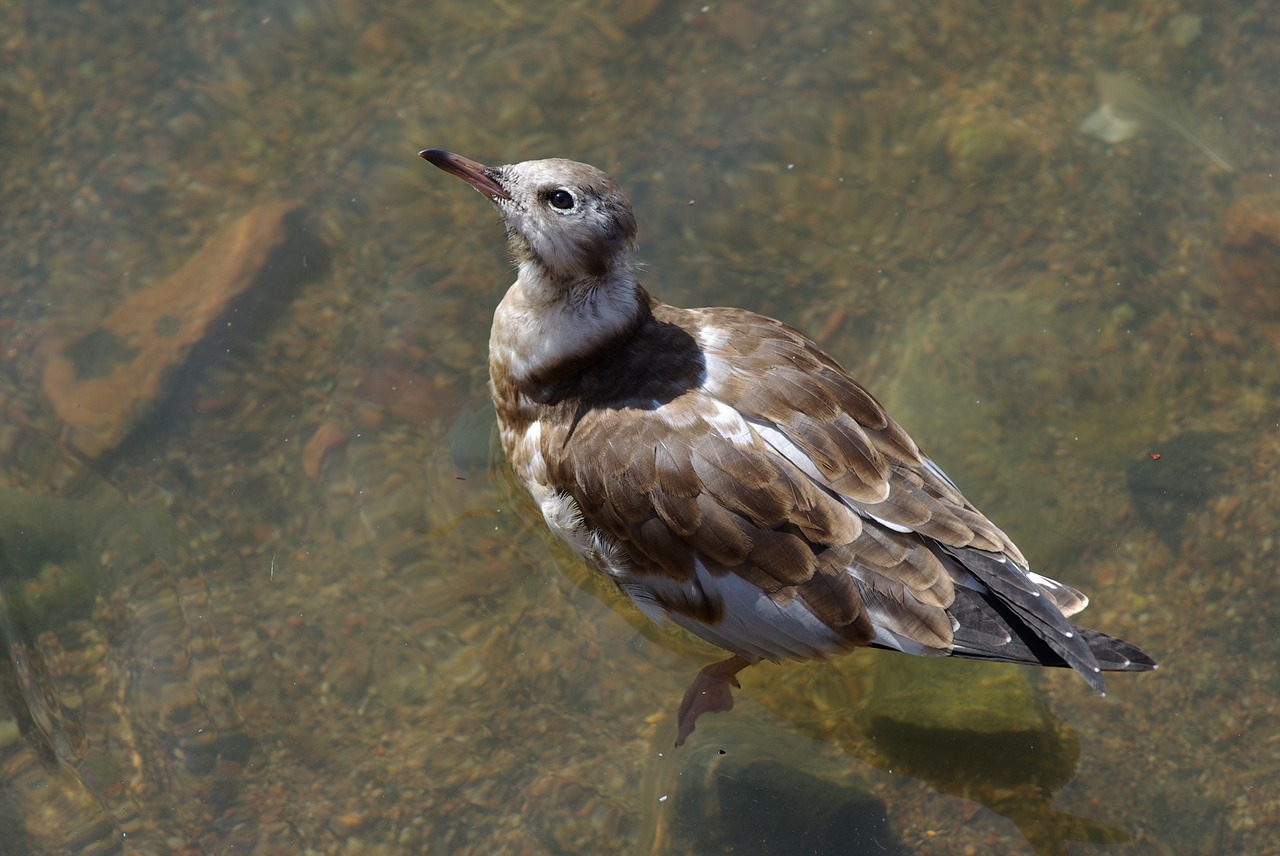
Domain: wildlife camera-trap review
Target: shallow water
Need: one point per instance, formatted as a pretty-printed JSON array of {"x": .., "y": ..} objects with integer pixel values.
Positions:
[{"x": 273, "y": 590}]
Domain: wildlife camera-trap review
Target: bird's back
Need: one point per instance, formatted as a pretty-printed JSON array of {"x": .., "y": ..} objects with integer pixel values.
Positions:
[{"x": 729, "y": 475}]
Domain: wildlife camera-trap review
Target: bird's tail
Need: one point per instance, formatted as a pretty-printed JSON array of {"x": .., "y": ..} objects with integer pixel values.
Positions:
[{"x": 990, "y": 629}]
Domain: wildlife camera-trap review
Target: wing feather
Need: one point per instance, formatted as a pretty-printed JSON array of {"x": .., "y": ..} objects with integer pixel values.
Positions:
[{"x": 775, "y": 509}]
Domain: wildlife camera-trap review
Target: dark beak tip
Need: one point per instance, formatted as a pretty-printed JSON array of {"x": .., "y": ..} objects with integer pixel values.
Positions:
[{"x": 472, "y": 172}]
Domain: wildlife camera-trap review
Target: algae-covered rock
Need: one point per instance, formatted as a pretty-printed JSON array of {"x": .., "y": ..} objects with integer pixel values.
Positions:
[
  {"x": 59, "y": 553},
  {"x": 748, "y": 787},
  {"x": 963, "y": 718},
  {"x": 50, "y": 548},
  {"x": 106, "y": 381},
  {"x": 1249, "y": 256},
  {"x": 1020, "y": 409}
]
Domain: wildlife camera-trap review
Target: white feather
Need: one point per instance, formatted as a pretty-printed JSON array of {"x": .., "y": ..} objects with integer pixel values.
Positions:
[
  {"x": 730, "y": 425},
  {"x": 783, "y": 445},
  {"x": 712, "y": 339},
  {"x": 536, "y": 326},
  {"x": 758, "y": 627},
  {"x": 886, "y": 638}
]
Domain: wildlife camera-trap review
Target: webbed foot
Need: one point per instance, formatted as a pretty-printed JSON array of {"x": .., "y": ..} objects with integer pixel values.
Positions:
[{"x": 710, "y": 692}]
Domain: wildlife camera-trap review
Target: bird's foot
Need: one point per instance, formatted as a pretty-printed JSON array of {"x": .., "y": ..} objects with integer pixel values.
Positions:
[{"x": 710, "y": 692}]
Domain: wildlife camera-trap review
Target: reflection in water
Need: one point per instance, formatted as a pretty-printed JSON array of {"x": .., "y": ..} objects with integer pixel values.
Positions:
[
  {"x": 745, "y": 785},
  {"x": 969, "y": 730},
  {"x": 982, "y": 734}
]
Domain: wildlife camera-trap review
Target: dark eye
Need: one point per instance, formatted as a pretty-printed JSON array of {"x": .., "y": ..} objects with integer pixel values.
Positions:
[{"x": 561, "y": 199}]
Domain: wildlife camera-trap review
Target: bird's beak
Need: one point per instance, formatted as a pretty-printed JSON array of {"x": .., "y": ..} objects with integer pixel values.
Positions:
[{"x": 474, "y": 173}]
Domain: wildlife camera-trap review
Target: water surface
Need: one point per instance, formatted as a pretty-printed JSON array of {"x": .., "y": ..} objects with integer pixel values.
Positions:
[{"x": 289, "y": 599}]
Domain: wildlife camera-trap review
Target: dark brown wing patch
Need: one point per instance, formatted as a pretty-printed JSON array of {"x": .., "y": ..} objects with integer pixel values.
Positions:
[
  {"x": 770, "y": 373},
  {"x": 674, "y": 475}
]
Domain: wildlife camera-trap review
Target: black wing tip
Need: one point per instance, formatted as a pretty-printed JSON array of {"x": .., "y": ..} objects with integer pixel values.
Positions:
[
  {"x": 1115, "y": 654},
  {"x": 1093, "y": 677}
]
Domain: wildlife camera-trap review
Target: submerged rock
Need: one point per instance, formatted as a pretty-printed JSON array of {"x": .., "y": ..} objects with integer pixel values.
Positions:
[
  {"x": 968, "y": 720},
  {"x": 103, "y": 383},
  {"x": 1249, "y": 258},
  {"x": 749, "y": 788},
  {"x": 979, "y": 731}
]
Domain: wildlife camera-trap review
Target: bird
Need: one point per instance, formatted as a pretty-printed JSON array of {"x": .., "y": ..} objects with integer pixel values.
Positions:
[{"x": 728, "y": 475}]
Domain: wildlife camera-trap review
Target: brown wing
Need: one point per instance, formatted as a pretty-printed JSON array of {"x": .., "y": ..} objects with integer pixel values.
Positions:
[
  {"x": 770, "y": 373},
  {"x": 689, "y": 481},
  {"x": 771, "y": 505},
  {"x": 815, "y": 415}
]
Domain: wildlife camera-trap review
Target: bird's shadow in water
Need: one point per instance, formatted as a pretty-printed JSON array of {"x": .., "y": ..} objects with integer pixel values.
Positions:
[
  {"x": 976, "y": 731},
  {"x": 973, "y": 730}
]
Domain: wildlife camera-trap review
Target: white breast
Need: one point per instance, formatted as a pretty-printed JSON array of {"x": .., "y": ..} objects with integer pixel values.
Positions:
[{"x": 538, "y": 326}]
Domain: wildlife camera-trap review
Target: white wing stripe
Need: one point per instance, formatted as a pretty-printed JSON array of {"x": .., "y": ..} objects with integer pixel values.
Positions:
[{"x": 754, "y": 623}]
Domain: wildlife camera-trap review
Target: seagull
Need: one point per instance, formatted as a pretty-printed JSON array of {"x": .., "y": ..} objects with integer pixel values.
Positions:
[{"x": 728, "y": 475}]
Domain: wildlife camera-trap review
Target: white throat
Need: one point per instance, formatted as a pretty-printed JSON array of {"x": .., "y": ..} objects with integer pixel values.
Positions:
[{"x": 542, "y": 324}]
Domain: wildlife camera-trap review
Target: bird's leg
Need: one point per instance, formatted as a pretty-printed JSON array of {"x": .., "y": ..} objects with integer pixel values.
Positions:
[{"x": 710, "y": 692}]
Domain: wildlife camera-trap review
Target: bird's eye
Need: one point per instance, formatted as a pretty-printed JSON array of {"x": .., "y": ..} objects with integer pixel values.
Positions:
[{"x": 561, "y": 199}]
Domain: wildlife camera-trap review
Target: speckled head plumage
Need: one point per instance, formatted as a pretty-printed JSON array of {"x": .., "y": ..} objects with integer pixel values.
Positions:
[
  {"x": 568, "y": 217},
  {"x": 572, "y": 234}
]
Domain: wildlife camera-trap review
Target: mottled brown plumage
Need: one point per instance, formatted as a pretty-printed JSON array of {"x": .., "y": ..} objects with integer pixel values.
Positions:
[{"x": 731, "y": 477}]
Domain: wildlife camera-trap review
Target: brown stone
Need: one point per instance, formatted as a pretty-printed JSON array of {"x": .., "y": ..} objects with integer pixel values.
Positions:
[
  {"x": 329, "y": 436},
  {"x": 1249, "y": 258},
  {"x": 103, "y": 383},
  {"x": 414, "y": 397},
  {"x": 629, "y": 13},
  {"x": 739, "y": 24}
]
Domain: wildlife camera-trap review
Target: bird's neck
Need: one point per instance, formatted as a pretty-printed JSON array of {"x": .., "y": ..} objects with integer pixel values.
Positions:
[{"x": 549, "y": 327}]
